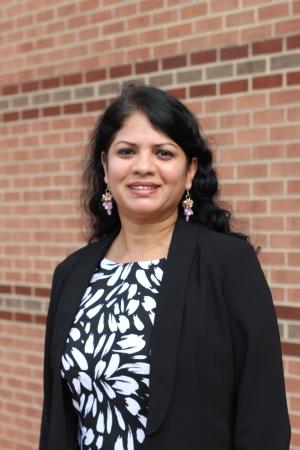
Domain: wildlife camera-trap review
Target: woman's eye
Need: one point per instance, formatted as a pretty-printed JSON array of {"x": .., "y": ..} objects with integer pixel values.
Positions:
[
  {"x": 125, "y": 151},
  {"x": 165, "y": 154}
]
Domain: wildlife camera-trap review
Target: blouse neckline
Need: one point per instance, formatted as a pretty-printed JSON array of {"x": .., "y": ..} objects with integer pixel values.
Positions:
[{"x": 147, "y": 261}]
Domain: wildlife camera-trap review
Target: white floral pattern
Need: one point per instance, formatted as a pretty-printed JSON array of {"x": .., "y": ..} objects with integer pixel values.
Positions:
[{"x": 106, "y": 362}]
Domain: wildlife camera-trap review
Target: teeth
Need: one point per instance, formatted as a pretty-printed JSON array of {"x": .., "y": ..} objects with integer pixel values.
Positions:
[{"x": 142, "y": 187}]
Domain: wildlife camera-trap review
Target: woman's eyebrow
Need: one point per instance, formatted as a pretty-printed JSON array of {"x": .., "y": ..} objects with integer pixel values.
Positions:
[{"x": 156, "y": 145}]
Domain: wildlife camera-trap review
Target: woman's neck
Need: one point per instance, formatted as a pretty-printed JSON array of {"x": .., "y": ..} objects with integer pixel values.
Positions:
[{"x": 142, "y": 241}]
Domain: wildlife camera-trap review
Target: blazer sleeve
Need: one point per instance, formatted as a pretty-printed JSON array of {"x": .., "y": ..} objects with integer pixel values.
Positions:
[
  {"x": 47, "y": 380},
  {"x": 261, "y": 420}
]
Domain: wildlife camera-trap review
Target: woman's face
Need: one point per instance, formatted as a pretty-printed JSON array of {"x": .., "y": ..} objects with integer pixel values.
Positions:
[{"x": 146, "y": 171}]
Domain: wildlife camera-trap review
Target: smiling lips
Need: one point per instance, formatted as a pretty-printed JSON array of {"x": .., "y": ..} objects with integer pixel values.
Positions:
[{"x": 143, "y": 188}]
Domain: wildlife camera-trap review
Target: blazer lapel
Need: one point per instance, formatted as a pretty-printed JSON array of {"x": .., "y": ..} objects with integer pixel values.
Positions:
[
  {"x": 167, "y": 325},
  {"x": 72, "y": 293}
]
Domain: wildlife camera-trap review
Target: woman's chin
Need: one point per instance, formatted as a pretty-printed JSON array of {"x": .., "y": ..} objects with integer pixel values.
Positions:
[{"x": 147, "y": 214}]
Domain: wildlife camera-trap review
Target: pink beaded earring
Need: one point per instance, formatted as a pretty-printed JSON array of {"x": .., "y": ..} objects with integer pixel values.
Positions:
[
  {"x": 187, "y": 204},
  {"x": 107, "y": 201}
]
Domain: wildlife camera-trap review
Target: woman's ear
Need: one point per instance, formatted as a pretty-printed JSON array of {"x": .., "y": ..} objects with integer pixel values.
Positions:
[
  {"x": 104, "y": 164},
  {"x": 192, "y": 169}
]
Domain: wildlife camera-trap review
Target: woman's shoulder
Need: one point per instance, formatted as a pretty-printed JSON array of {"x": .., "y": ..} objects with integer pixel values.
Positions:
[
  {"x": 83, "y": 253},
  {"x": 220, "y": 249},
  {"x": 219, "y": 241},
  {"x": 224, "y": 254}
]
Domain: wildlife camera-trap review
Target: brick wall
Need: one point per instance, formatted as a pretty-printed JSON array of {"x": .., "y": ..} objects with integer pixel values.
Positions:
[{"x": 235, "y": 63}]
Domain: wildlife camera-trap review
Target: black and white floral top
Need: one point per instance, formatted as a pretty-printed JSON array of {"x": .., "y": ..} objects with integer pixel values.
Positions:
[{"x": 106, "y": 362}]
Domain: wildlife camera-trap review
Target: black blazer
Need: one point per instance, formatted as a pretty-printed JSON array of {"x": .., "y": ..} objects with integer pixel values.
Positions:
[{"x": 216, "y": 378}]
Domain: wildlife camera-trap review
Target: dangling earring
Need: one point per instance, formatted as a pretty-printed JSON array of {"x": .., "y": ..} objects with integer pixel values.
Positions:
[
  {"x": 187, "y": 204},
  {"x": 107, "y": 201}
]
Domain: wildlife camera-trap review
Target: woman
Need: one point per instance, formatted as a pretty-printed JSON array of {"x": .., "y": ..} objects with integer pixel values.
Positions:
[{"x": 161, "y": 332}]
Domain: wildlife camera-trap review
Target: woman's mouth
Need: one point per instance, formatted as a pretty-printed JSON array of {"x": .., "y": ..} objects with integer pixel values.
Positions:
[{"x": 140, "y": 188}]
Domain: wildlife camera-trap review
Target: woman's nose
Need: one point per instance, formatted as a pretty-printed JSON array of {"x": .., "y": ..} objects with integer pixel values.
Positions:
[{"x": 144, "y": 163}]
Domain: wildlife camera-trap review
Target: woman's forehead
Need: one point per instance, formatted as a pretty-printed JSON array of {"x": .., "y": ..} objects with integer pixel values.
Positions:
[{"x": 137, "y": 128}]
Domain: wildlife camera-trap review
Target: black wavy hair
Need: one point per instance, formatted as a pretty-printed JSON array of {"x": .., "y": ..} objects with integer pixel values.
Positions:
[{"x": 167, "y": 114}]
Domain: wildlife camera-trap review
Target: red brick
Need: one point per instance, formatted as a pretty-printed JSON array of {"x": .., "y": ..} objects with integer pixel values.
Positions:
[
  {"x": 75, "y": 78},
  {"x": 146, "y": 66},
  {"x": 285, "y": 133},
  {"x": 30, "y": 114},
  {"x": 260, "y": 32},
  {"x": 251, "y": 206},
  {"x": 221, "y": 6},
  {"x": 270, "y": 116},
  {"x": 285, "y": 169},
  {"x": 115, "y": 27},
  {"x": 23, "y": 290},
  {"x": 234, "y": 52},
  {"x": 230, "y": 37},
  {"x": 120, "y": 71},
  {"x": 273, "y": 11},
  {"x": 252, "y": 171},
  {"x": 288, "y": 276},
  {"x": 44, "y": 43},
  {"x": 285, "y": 97},
  {"x": 293, "y": 115},
  {"x": 184, "y": 29},
  {"x": 294, "y": 258},
  {"x": 74, "y": 108},
  {"x": 179, "y": 92},
  {"x": 204, "y": 57},
  {"x": 96, "y": 75},
  {"x": 166, "y": 50},
  {"x": 229, "y": 87},
  {"x": 50, "y": 83},
  {"x": 9, "y": 117},
  {"x": 136, "y": 22},
  {"x": 66, "y": 10},
  {"x": 293, "y": 349},
  {"x": 97, "y": 105},
  {"x": 77, "y": 21},
  {"x": 22, "y": 317},
  {"x": 174, "y": 62},
  {"x": 4, "y": 289},
  {"x": 285, "y": 206},
  {"x": 148, "y": 5},
  {"x": 268, "y": 188},
  {"x": 31, "y": 86},
  {"x": 26, "y": 47},
  {"x": 293, "y": 42},
  {"x": 156, "y": 35},
  {"x": 269, "y": 46},
  {"x": 235, "y": 120},
  {"x": 234, "y": 189},
  {"x": 51, "y": 111},
  {"x": 39, "y": 319},
  {"x": 42, "y": 292},
  {"x": 266, "y": 82},
  {"x": 287, "y": 27},
  {"x": 269, "y": 224},
  {"x": 122, "y": 11},
  {"x": 240, "y": 18},
  {"x": 126, "y": 41},
  {"x": 293, "y": 78},
  {"x": 203, "y": 90},
  {"x": 190, "y": 12},
  {"x": 160, "y": 18},
  {"x": 88, "y": 5},
  {"x": 10, "y": 90},
  {"x": 296, "y": 7},
  {"x": 45, "y": 15},
  {"x": 6, "y": 315},
  {"x": 252, "y": 135}
]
